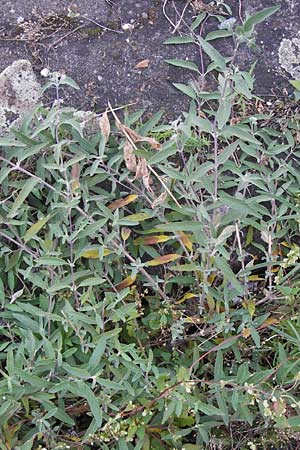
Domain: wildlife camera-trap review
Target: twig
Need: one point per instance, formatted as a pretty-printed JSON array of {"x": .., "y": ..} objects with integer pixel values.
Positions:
[
  {"x": 53, "y": 44},
  {"x": 166, "y": 15},
  {"x": 19, "y": 244},
  {"x": 240, "y": 11},
  {"x": 101, "y": 26},
  {"x": 180, "y": 15}
]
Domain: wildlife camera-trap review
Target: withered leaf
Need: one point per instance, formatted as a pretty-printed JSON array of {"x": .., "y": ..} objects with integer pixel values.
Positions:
[
  {"x": 185, "y": 240},
  {"x": 129, "y": 157},
  {"x": 142, "y": 172},
  {"x": 159, "y": 200},
  {"x": 135, "y": 137},
  {"x": 125, "y": 283},
  {"x": 151, "y": 240},
  {"x": 122, "y": 202},
  {"x": 163, "y": 259},
  {"x": 142, "y": 64},
  {"x": 104, "y": 126},
  {"x": 75, "y": 172},
  {"x": 125, "y": 233}
]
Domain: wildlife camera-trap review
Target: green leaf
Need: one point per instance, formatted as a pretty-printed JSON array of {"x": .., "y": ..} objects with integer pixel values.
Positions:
[
  {"x": 240, "y": 132},
  {"x": 76, "y": 372},
  {"x": 224, "y": 112},
  {"x": 183, "y": 63},
  {"x": 35, "y": 228},
  {"x": 199, "y": 19},
  {"x": 227, "y": 273},
  {"x": 2, "y": 293},
  {"x": 294, "y": 421},
  {"x": 214, "y": 55},
  {"x": 185, "y": 89},
  {"x": 109, "y": 384},
  {"x": 50, "y": 261},
  {"x": 202, "y": 170},
  {"x": 227, "y": 152},
  {"x": 259, "y": 17},
  {"x": 93, "y": 403},
  {"x": 180, "y": 40},
  {"x": 25, "y": 191},
  {"x": 169, "y": 149},
  {"x": 218, "y": 34},
  {"x": 218, "y": 370},
  {"x": 61, "y": 415},
  {"x": 209, "y": 410},
  {"x": 97, "y": 354},
  {"x": 296, "y": 84}
]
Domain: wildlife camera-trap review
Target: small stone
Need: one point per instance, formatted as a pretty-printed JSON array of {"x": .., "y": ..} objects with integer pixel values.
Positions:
[
  {"x": 144, "y": 15},
  {"x": 19, "y": 93}
]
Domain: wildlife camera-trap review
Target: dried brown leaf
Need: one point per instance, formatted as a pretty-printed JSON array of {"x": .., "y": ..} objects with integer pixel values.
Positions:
[
  {"x": 104, "y": 126},
  {"x": 159, "y": 200},
  {"x": 142, "y": 64},
  {"x": 141, "y": 169},
  {"x": 129, "y": 157},
  {"x": 135, "y": 137},
  {"x": 143, "y": 173},
  {"x": 75, "y": 172}
]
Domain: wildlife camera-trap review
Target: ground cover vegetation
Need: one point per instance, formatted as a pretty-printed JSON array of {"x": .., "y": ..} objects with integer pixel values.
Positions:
[{"x": 150, "y": 272}]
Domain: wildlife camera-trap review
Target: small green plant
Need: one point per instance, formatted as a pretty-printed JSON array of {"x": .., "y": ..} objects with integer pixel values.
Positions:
[{"x": 149, "y": 271}]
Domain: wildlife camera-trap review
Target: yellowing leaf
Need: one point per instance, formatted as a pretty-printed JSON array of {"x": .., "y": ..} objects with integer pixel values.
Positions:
[
  {"x": 139, "y": 217},
  {"x": 255, "y": 278},
  {"x": 296, "y": 84},
  {"x": 251, "y": 307},
  {"x": 93, "y": 253},
  {"x": 186, "y": 296},
  {"x": 125, "y": 233},
  {"x": 35, "y": 228},
  {"x": 122, "y": 202},
  {"x": 270, "y": 321},
  {"x": 125, "y": 283},
  {"x": 185, "y": 240},
  {"x": 75, "y": 174},
  {"x": 163, "y": 259},
  {"x": 150, "y": 240}
]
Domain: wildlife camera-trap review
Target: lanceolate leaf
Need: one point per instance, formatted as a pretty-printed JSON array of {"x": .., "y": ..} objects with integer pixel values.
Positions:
[
  {"x": 151, "y": 240},
  {"x": 35, "y": 228},
  {"x": 214, "y": 55},
  {"x": 122, "y": 202},
  {"x": 25, "y": 191},
  {"x": 125, "y": 283},
  {"x": 183, "y": 63},
  {"x": 180, "y": 40},
  {"x": 163, "y": 259},
  {"x": 259, "y": 17},
  {"x": 93, "y": 253}
]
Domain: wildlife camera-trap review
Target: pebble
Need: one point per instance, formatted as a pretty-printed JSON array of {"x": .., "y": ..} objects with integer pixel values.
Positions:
[{"x": 144, "y": 15}]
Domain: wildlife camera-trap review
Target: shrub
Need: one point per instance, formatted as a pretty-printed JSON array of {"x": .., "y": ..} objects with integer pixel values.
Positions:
[{"x": 149, "y": 271}]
